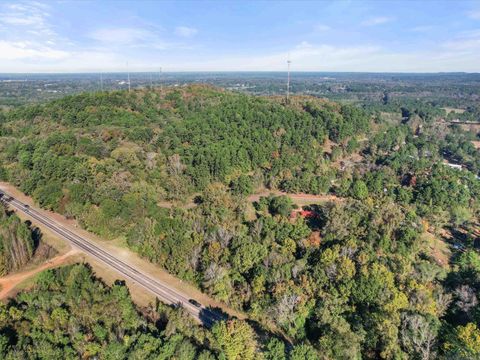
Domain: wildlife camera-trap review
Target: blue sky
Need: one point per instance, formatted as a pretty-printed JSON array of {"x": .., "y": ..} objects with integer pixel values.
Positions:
[{"x": 380, "y": 36}]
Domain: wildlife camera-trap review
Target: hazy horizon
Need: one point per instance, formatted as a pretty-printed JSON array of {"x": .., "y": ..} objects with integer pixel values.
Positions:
[{"x": 280, "y": 72}]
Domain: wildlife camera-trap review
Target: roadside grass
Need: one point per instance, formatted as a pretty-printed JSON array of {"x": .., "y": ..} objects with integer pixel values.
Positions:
[{"x": 139, "y": 295}]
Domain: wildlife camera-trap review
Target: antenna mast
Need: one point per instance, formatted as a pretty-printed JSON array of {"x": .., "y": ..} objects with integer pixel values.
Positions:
[
  {"x": 288, "y": 78},
  {"x": 160, "y": 80},
  {"x": 128, "y": 74}
]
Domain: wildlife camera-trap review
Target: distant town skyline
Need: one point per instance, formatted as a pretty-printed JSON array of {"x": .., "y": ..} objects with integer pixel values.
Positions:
[{"x": 360, "y": 36}]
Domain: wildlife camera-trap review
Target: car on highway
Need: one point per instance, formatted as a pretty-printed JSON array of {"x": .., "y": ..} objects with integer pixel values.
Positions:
[
  {"x": 5, "y": 197},
  {"x": 195, "y": 303}
]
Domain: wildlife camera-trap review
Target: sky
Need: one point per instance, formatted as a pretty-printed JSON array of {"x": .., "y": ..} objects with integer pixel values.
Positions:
[{"x": 354, "y": 35}]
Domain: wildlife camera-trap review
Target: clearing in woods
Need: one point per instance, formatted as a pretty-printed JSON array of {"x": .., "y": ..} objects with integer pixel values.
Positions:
[
  {"x": 11, "y": 282},
  {"x": 448, "y": 110}
]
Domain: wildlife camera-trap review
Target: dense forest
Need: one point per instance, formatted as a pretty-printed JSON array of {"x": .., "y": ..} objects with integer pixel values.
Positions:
[
  {"x": 171, "y": 171},
  {"x": 16, "y": 242},
  {"x": 68, "y": 314}
]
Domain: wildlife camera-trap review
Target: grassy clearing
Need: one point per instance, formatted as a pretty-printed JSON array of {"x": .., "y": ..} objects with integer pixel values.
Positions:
[
  {"x": 438, "y": 249},
  {"x": 449, "y": 110}
]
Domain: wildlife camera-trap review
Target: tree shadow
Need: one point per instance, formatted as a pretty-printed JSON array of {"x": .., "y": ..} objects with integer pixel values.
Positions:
[
  {"x": 461, "y": 238},
  {"x": 10, "y": 333},
  {"x": 36, "y": 236},
  {"x": 210, "y": 315},
  {"x": 318, "y": 219},
  {"x": 265, "y": 334}
]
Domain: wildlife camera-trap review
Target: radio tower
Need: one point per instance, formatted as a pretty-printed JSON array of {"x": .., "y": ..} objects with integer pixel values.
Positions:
[
  {"x": 160, "y": 80},
  {"x": 288, "y": 78},
  {"x": 128, "y": 74}
]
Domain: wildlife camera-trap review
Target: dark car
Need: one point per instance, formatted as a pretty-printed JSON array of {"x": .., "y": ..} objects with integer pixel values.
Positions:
[
  {"x": 5, "y": 197},
  {"x": 195, "y": 303}
]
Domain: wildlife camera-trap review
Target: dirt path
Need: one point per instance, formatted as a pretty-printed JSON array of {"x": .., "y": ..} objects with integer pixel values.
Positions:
[
  {"x": 9, "y": 282},
  {"x": 299, "y": 199}
]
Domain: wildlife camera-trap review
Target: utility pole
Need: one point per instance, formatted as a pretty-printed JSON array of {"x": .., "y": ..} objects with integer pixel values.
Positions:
[
  {"x": 101, "y": 81},
  {"x": 288, "y": 78},
  {"x": 128, "y": 75},
  {"x": 160, "y": 80},
  {"x": 25, "y": 87}
]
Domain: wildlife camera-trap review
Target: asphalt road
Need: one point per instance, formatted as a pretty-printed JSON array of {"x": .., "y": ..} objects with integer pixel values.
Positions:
[{"x": 161, "y": 290}]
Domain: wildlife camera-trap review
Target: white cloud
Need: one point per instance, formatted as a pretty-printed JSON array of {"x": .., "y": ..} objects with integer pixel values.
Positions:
[
  {"x": 464, "y": 41},
  {"x": 28, "y": 50},
  {"x": 474, "y": 14},
  {"x": 31, "y": 20},
  {"x": 376, "y": 21},
  {"x": 463, "y": 44},
  {"x": 124, "y": 36},
  {"x": 26, "y": 34},
  {"x": 422, "y": 29},
  {"x": 128, "y": 36},
  {"x": 27, "y": 16},
  {"x": 305, "y": 56},
  {"x": 321, "y": 28},
  {"x": 327, "y": 57},
  {"x": 185, "y": 31}
]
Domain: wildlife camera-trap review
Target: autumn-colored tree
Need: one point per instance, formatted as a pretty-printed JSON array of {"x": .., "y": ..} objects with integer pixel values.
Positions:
[{"x": 234, "y": 340}]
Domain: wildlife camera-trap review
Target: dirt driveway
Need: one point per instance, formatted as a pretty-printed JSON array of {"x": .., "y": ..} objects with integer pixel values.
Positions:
[{"x": 9, "y": 282}]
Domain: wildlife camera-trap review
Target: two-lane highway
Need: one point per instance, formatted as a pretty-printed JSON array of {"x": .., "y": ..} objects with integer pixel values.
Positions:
[{"x": 161, "y": 290}]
